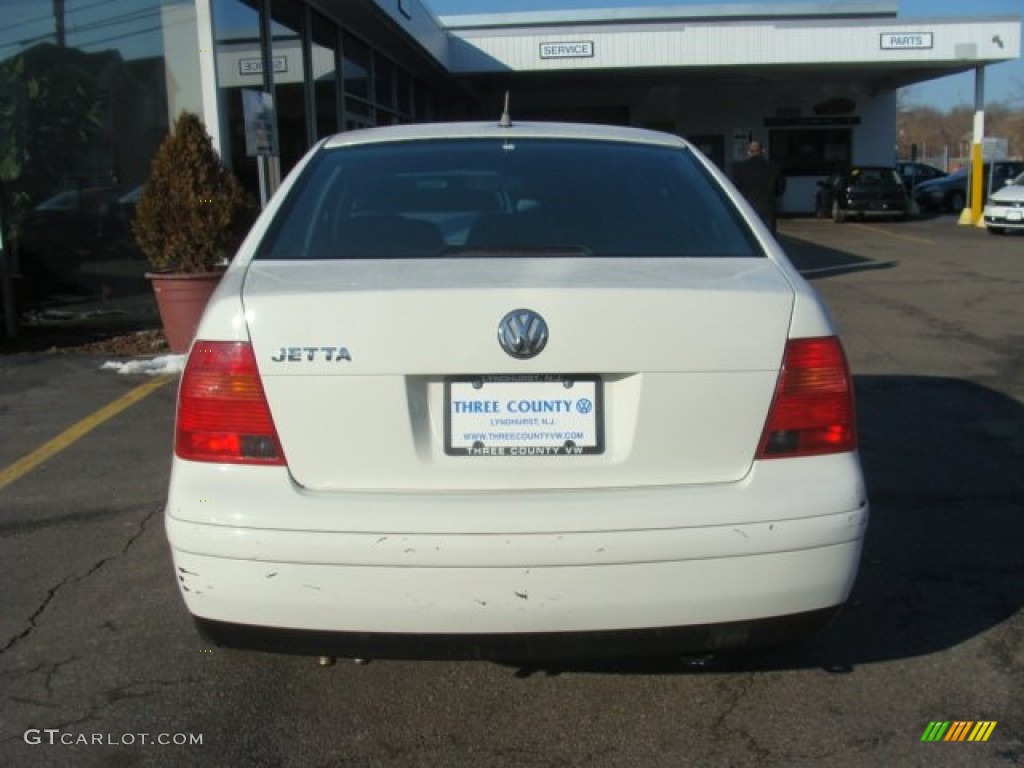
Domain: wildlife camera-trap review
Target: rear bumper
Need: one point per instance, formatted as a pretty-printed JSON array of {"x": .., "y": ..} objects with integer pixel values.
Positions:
[
  {"x": 516, "y": 600},
  {"x": 521, "y": 646},
  {"x": 707, "y": 566},
  {"x": 869, "y": 209}
]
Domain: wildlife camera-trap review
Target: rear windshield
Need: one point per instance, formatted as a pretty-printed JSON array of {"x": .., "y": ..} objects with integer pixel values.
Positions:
[
  {"x": 874, "y": 177},
  {"x": 431, "y": 199}
]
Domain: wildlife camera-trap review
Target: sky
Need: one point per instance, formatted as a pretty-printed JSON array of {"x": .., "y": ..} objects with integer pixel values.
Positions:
[{"x": 1003, "y": 82}]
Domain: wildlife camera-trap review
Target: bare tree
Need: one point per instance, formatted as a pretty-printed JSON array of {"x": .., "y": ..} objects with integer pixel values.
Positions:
[{"x": 939, "y": 134}]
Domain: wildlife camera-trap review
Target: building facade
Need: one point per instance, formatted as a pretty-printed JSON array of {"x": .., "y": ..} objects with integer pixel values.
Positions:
[{"x": 88, "y": 89}]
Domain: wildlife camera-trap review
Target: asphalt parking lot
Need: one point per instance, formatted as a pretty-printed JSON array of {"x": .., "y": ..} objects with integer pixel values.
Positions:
[{"x": 100, "y": 664}]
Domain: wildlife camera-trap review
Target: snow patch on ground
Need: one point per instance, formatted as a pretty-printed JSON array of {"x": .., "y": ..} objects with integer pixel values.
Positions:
[{"x": 157, "y": 366}]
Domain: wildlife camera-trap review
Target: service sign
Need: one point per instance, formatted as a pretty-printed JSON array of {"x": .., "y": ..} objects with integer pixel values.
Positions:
[
  {"x": 906, "y": 41},
  {"x": 524, "y": 416},
  {"x": 254, "y": 66},
  {"x": 576, "y": 49}
]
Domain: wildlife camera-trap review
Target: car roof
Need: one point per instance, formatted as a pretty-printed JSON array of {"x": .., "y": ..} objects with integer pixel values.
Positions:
[{"x": 492, "y": 130}]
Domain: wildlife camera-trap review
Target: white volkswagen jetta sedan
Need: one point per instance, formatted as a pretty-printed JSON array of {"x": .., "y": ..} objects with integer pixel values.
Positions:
[
  {"x": 484, "y": 390},
  {"x": 1004, "y": 209}
]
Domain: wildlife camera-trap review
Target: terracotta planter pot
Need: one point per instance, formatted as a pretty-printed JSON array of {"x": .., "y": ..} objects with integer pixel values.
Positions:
[{"x": 181, "y": 300}]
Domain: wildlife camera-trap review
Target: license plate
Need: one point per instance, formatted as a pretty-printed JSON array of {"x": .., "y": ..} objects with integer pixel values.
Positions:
[
  {"x": 545, "y": 415},
  {"x": 1014, "y": 215}
]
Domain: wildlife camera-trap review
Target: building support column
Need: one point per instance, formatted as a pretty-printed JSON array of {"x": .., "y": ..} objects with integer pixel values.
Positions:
[{"x": 208, "y": 74}]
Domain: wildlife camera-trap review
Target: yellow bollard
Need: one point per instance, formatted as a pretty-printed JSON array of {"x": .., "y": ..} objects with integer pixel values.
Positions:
[{"x": 971, "y": 214}]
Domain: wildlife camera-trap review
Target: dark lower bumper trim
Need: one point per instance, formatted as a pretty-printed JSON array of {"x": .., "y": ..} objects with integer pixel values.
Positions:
[{"x": 663, "y": 641}]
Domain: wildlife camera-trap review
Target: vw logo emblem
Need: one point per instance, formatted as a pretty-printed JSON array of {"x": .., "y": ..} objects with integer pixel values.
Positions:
[{"x": 522, "y": 333}]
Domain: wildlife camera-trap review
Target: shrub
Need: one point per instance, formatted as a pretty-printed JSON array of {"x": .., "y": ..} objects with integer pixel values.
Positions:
[{"x": 192, "y": 210}]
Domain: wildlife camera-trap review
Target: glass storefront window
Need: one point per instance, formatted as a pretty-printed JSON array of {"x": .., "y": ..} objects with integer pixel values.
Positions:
[
  {"x": 356, "y": 67},
  {"x": 423, "y": 110},
  {"x": 289, "y": 81},
  {"x": 87, "y": 92},
  {"x": 384, "y": 81},
  {"x": 236, "y": 27},
  {"x": 403, "y": 89},
  {"x": 358, "y": 114},
  {"x": 324, "y": 42}
]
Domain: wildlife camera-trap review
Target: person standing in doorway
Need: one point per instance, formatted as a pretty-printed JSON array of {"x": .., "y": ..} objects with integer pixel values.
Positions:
[{"x": 760, "y": 182}]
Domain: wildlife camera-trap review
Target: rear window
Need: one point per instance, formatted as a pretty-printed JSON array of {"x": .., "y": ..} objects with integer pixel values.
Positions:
[
  {"x": 874, "y": 177},
  {"x": 506, "y": 197}
]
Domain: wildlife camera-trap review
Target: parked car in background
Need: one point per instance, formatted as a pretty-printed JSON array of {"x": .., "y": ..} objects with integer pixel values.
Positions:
[
  {"x": 863, "y": 191},
  {"x": 72, "y": 227},
  {"x": 950, "y": 194},
  {"x": 914, "y": 173},
  {"x": 1005, "y": 207},
  {"x": 128, "y": 201},
  {"x": 63, "y": 239},
  {"x": 416, "y": 421},
  {"x": 79, "y": 221}
]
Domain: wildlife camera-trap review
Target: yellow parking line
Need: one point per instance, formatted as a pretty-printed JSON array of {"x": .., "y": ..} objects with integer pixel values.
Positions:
[
  {"x": 897, "y": 235},
  {"x": 27, "y": 463}
]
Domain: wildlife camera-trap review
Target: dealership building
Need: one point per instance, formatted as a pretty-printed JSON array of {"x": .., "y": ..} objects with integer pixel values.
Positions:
[{"x": 90, "y": 88}]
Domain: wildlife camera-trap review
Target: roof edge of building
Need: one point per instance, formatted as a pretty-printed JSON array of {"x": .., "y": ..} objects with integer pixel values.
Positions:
[{"x": 660, "y": 14}]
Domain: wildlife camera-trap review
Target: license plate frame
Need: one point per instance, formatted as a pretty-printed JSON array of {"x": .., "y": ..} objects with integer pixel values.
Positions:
[{"x": 524, "y": 415}]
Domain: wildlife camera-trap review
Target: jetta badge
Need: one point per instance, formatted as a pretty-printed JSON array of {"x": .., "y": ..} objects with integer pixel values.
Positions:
[{"x": 523, "y": 333}]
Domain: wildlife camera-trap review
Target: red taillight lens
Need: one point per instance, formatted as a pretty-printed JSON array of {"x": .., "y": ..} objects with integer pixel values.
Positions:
[
  {"x": 223, "y": 414},
  {"x": 813, "y": 411}
]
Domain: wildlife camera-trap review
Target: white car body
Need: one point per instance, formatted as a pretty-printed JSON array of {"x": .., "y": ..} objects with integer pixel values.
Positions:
[
  {"x": 1004, "y": 209},
  {"x": 386, "y": 529}
]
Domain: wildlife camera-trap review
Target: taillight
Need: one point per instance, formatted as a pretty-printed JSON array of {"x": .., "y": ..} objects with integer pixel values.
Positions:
[
  {"x": 223, "y": 414},
  {"x": 813, "y": 411}
]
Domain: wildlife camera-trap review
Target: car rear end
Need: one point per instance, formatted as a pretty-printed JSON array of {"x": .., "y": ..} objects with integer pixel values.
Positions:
[
  {"x": 540, "y": 390},
  {"x": 875, "y": 192}
]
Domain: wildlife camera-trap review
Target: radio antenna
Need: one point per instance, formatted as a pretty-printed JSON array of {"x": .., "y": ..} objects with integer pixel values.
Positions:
[{"x": 506, "y": 119}]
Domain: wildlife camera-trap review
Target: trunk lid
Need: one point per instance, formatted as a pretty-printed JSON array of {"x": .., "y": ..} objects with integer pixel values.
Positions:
[{"x": 358, "y": 358}]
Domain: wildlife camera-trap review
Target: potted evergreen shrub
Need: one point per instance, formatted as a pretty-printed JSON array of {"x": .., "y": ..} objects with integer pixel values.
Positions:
[{"x": 191, "y": 214}]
